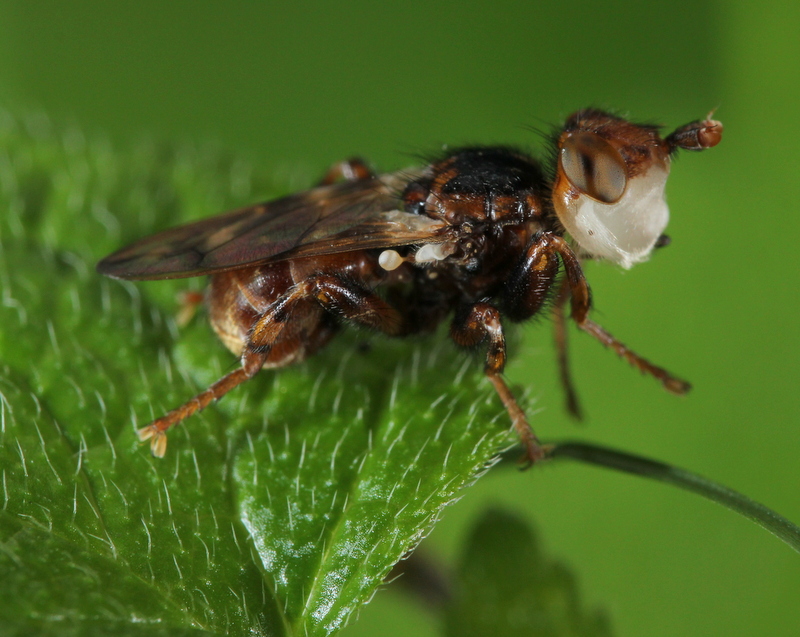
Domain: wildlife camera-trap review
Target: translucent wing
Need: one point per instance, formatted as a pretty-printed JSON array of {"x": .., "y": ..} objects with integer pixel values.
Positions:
[{"x": 338, "y": 218}]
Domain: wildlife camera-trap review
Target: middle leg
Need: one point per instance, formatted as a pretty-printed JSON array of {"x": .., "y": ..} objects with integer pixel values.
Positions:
[{"x": 471, "y": 327}]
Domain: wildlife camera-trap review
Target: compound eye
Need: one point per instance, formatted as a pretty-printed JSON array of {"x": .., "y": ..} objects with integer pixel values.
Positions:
[{"x": 594, "y": 166}]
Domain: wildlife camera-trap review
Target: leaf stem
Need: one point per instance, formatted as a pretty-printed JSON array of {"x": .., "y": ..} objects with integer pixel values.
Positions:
[{"x": 620, "y": 461}]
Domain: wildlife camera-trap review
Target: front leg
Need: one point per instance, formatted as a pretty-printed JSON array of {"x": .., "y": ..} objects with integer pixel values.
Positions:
[
  {"x": 472, "y": 326},
  {"x": 529, "y": 290},
  {"x": 549, "y": 246}
]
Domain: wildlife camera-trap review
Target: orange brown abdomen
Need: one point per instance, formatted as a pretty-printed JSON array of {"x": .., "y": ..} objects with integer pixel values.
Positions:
[{"x": 236, "y": 299}]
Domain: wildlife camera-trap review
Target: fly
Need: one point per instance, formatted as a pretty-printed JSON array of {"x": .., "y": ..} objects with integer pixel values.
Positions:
[{"x": 483, "y": 235}]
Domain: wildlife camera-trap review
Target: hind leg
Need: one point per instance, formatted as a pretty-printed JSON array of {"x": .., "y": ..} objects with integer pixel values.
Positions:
[
  {"x": 285, "y": 332},
  {"x": 354, "y": 169}
]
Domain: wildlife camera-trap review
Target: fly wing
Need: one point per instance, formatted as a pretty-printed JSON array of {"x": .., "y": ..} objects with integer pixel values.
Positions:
[{"x": 338, "y": 218}]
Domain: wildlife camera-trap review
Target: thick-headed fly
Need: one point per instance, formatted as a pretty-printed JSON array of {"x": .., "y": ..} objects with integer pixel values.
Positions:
[{"x": 483, "y": 234}]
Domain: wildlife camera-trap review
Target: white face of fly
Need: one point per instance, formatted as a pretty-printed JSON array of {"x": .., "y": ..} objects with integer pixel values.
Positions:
[
  {"x": 614, "y": 210},
  {"x": 625, "y": 231}
]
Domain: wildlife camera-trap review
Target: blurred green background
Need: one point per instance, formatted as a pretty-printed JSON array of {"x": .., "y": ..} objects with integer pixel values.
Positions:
[{"x": 298, "y": 86}]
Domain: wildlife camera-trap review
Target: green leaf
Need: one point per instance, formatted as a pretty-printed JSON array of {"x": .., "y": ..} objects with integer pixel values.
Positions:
[
  {"x": 276, "y": 512},
  {"x": 506, "y": 585}
]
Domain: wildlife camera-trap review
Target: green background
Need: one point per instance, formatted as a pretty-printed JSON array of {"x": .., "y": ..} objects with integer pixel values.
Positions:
[{"x": 300, "y": 86}]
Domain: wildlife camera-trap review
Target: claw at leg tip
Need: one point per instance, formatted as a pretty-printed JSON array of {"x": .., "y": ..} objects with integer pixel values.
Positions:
[
  {"x": 157, "y": 438},
  {"x": 534, "y": 453},
  {"x": 677, "y": 386},
  {"x": 158, "y": 446}
]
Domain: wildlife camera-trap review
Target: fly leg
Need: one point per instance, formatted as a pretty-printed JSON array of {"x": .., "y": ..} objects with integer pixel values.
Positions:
[
  {"x": 156, "y": 431},
  {"x": 354, "y": 169},
  {"x": 343, "y": 298},
  {"x": 479, "y": 323},
  {"x": 581, "y": 304},
  {"x": 562, "y": 354},
  {"x": 284, "y": 329},
  {"x": 189, "y": 302}
]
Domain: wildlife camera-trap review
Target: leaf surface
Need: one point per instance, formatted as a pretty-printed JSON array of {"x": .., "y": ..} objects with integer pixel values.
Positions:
[
  {"x": 507, "y": 585},
  {"x": 277, "y": 511}
]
